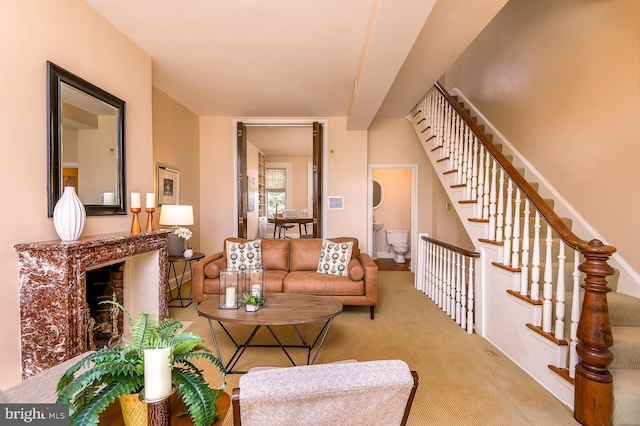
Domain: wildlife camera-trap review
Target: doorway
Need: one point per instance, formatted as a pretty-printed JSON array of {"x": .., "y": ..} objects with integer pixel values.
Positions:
[
  {"x": 398, "y": 209},
  {"x": 295, "y": 143}
]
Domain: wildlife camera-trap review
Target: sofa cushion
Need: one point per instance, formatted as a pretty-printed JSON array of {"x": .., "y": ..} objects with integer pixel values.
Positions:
[
  {"x": 275, "y": 253},
  {"x": 356, "y": 271},
  {"x": 334, "y": 258},
  {"x": 310, "y": 282},
  {"x": 243, "y": 254}
]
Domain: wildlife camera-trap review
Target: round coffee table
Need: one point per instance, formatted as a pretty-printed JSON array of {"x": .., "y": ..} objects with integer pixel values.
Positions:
[{"x": 279, "y": 309}]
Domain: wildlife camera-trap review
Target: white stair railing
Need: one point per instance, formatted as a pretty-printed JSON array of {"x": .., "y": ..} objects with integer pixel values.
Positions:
[
  {"x": 498, "y": 202},
  {"x": 446, "y": 277}
]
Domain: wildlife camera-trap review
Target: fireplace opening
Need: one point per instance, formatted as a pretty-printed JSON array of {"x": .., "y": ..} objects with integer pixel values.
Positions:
[{"x": 104, "y": 321}]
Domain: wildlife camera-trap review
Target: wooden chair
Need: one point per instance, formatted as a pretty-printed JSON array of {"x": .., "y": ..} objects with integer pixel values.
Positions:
[
  {"x": 282, "y": 227},
  {"x": 371, "y": 393}
]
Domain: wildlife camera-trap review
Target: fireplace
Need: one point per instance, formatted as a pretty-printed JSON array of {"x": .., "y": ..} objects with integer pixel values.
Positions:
[
  {"x": 104, "y": 321},
  {"x": 53, "y": 288}
]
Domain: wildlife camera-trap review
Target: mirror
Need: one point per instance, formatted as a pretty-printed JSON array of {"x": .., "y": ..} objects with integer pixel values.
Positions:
[
  {"x": 86, "y": 144},
  {"x": 378, "y": 194}
]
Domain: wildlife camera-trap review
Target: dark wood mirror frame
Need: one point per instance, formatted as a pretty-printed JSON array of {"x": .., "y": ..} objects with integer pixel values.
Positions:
[{"x": 55, "y": 76}]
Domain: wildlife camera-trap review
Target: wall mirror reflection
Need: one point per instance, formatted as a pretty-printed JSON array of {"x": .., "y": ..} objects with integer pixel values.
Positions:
[
  {"x": 85, "y": 143},
  {"x": 378, "y": 194}
]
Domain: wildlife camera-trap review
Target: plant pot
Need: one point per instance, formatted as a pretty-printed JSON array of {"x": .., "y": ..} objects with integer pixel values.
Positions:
[
  {"x": 188, "y": 253},
  {"x": 134, "y": 411},
  {"x": 251, "y": 308}
]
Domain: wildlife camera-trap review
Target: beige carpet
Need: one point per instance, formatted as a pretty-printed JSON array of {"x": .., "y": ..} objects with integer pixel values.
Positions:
[{"x": 459, "y": 383}]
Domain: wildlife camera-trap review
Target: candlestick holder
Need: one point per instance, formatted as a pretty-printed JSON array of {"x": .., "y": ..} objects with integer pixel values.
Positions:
[
  {"x": 135, "y": 224},
  {"x": 158, "y": 410},
  {"x": 151, "y": 225}
]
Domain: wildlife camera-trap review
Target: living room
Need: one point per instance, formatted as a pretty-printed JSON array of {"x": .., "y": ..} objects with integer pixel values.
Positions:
[{"x": 73, "y": 35}]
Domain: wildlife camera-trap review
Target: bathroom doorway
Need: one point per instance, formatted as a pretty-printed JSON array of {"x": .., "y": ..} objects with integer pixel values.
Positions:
[{"x": 396, "y": 207}]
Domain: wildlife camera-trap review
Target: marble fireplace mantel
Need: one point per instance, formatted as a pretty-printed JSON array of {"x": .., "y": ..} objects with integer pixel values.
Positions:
[{"x": 52, "y": 279}]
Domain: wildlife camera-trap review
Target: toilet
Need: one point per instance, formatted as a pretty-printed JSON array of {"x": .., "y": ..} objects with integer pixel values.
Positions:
[{"x": 398, "y": 240}]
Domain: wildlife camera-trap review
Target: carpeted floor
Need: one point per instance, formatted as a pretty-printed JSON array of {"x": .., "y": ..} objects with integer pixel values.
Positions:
[{"x": 459, "y": 383}]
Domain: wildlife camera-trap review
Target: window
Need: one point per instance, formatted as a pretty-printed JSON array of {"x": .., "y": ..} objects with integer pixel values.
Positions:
[{"x": 276, "y": 187}]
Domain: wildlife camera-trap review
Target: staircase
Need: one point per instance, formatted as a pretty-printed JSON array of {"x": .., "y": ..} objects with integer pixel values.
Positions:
[{"x": 540, "y": 290}]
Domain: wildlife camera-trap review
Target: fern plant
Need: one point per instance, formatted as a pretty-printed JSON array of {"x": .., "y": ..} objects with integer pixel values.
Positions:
[{"x": 104, "y": 376}]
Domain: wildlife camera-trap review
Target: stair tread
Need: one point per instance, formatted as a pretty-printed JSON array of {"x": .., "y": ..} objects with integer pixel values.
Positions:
[{"x": 625, "y": 380}]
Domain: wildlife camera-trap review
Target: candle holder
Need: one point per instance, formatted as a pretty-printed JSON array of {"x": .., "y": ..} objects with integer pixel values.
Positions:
[
  {"x": 158, "y": 410},
  {"x": 230, "y": 289},
  {"x": 151, "y": 225},
  {"x": 135, "y": 223}
]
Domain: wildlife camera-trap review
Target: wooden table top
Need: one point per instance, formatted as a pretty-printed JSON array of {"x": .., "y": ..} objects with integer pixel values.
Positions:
[
  {"x": 290, "y": 220},
  {"x": 279, "y": 309},
  {"x": 112, "y": 415}
]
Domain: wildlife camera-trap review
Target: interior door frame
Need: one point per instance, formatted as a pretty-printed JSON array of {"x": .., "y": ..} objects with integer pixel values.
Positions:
[
  {"x": 413, "y": 232},
  {"x": 238, "y": 166}
]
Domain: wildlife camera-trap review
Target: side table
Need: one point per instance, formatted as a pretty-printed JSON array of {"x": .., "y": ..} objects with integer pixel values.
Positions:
[{"x": 180, "y": 280}]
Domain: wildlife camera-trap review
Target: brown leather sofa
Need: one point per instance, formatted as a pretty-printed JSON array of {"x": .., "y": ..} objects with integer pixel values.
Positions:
[{"x": 291, "y": 268}]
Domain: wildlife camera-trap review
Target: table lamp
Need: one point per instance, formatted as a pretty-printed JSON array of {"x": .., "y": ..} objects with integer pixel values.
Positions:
[{"x": 176, "y": 216}]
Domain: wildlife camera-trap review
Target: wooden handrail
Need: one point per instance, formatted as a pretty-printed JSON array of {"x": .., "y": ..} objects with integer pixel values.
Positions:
[
  {"x": 593, "y": 401},
  {"x": 459, "y": 250},
  {"x": 547, "y": 212}
]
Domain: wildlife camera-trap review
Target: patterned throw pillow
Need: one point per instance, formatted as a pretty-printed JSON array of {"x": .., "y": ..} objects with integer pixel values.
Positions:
[
  {"x": 334, "y": 258},
  {"x": 242, "y": 255}
]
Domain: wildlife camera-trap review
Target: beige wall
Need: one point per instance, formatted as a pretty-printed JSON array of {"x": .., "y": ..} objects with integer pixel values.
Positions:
[
  {"x": 70, "y": 34},
  {"x": 561, "y": 81},
  {"x": 347, "y": 176},
  {"x": 176, "y": 140}
]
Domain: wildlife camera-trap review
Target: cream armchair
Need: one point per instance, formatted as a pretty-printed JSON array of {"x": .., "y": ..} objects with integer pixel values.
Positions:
[{"x": 354, "y": 393}]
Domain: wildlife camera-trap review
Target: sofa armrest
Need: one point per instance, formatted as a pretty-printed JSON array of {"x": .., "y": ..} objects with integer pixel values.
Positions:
[
  {"x": 198, "y": 274},
  {"x": 370, "y": 279}
]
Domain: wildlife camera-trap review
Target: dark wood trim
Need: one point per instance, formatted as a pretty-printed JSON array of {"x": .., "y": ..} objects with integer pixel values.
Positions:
[
  {"x": 492, "y": 242},
  {"x": 562, "y": 372},
  {"x": 546, "y": 335},
  {"x": 505, "y": 267},
  {"x": 524, "y": 298},
  {"x": 242, "y": 181}
]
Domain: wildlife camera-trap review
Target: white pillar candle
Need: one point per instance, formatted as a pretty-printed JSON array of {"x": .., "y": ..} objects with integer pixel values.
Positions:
[
  {"x": 151, "y": 200},
  {"x": 230, "y": 301},
  {"x": 255, "y": 290},
  {"x": 109, "y": 198},
  {"x": 157, "y": 373},
  {"x": 135, "y": 200}
]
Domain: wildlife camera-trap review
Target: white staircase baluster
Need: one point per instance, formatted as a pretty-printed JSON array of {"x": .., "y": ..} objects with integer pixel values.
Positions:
[
  {"x": 474, "y": 170},
  {"x": 487, "y": 187},
  {"x": 463, "y": 293},
  {"x": 464, "y": 157},
  {"x": 508, "y": 219},
  {"x": 459, "y": 275},
  {"x": 575, "y": 317},
  {"x": 447, "y": 278},
  {"x": 480, "y": 203},
  {"x": 524, "y": 269},
  {"x": 559, "y": 326},
  {"x": 547, "y": 304},
  {"x": 470, "y": 298},
  {"x": 515, "y": 241},
  {"x": 500, "y": 208},
  {"x": 440, "y": 274},
  {"x": 535, "y": 260},
  {"x": 469, "y": 161},
  {"x": 492, "y": 203}
]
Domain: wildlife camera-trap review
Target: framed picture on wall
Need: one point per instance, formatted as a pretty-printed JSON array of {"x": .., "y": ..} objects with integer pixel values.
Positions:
[{"x": 168, "y": 185}]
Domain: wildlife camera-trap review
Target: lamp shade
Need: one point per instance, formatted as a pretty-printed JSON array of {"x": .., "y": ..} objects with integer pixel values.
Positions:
[{"x": 176, "y": 215}]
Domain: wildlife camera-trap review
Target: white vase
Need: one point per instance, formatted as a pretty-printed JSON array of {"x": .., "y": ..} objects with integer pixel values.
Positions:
[
  {"x": 69, "y": 215},
  {"x": 188, "y": 253}
]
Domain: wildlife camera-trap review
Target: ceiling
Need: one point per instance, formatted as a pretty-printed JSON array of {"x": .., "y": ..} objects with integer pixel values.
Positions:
[{"x": 292, "y": 58}]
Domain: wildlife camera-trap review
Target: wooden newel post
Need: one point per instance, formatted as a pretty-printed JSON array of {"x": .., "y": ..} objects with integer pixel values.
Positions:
[{"x": 593, "y": 401}]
